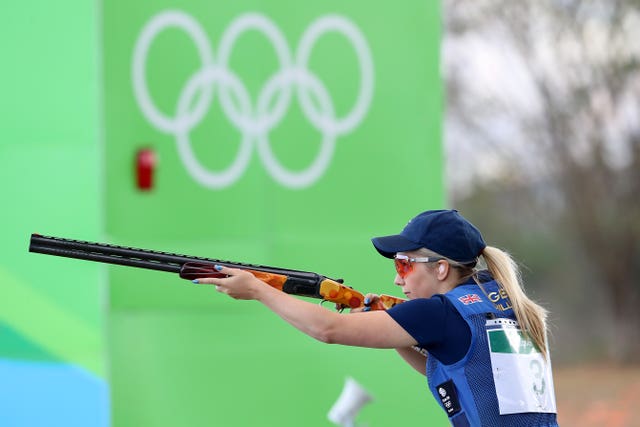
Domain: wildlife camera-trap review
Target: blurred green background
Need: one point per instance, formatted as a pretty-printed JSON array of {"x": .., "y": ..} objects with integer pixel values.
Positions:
[{"x": 522, "y": 115}]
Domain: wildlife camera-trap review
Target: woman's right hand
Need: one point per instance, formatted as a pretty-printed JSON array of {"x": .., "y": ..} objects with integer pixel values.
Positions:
[{"x": 370, "y": 300}]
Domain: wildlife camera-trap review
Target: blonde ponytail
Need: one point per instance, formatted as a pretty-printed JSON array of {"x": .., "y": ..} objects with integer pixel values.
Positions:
[{"x": 531, "y": 317}]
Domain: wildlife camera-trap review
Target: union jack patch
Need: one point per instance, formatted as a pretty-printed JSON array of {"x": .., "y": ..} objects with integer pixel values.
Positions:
[{"x": 470, "y": 299}]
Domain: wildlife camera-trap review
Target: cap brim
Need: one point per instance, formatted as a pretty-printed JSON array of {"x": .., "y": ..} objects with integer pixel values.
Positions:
[{"x": 388, "y": 246}]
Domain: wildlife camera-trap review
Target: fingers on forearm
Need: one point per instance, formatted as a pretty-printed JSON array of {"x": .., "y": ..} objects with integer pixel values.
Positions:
[{"x": 208, "y": 280}]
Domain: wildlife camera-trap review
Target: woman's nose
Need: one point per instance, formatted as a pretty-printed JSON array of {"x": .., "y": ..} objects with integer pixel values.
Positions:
[{"x": 398, "y": 280}]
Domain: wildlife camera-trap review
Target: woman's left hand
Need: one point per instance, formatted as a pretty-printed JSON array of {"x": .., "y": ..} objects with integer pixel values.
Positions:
[{"x": 239, "y": 284}]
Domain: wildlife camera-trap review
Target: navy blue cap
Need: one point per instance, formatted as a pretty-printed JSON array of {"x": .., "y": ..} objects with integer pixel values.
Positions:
[{"x": 445, "y": 232}]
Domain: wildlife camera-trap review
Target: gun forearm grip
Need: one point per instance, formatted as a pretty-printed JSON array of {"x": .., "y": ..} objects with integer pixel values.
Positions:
[{"x": 200, "y": 270}]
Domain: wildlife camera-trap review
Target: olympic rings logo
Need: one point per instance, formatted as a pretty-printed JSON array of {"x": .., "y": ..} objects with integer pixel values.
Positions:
[{"x": 254, "y": 120}]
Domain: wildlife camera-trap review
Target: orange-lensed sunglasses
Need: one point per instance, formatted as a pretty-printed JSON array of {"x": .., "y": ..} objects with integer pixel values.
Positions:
[{"x": 404, "y": 264}]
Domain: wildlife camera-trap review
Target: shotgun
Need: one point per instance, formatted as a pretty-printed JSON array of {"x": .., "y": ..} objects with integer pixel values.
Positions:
[{"x": 295, "y": 282}]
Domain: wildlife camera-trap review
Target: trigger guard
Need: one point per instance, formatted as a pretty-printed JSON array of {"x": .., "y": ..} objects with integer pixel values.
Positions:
[{"x": 339, "y": 310}]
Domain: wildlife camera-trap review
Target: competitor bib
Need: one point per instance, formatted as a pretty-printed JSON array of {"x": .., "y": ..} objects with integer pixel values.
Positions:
[{"x": 521, "y": 374}]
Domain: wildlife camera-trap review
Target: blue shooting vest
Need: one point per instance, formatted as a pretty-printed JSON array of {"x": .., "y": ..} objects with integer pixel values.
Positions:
[{"x": 466, "y": 389}]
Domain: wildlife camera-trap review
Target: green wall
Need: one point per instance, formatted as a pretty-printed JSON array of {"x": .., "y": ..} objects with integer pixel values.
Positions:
[
  {"x": 180, "y": 354},
  {"x": 52, "y": 348},
  {"x": 184, "y": 354},
  {"x": 49, "y": 172}
]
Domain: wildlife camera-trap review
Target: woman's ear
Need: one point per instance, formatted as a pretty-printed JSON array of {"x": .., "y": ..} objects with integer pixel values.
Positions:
[{"x": 443, "y": 268}]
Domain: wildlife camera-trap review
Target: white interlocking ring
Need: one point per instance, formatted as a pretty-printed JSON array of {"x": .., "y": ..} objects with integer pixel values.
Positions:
[{"x": 253, "y": 121}]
